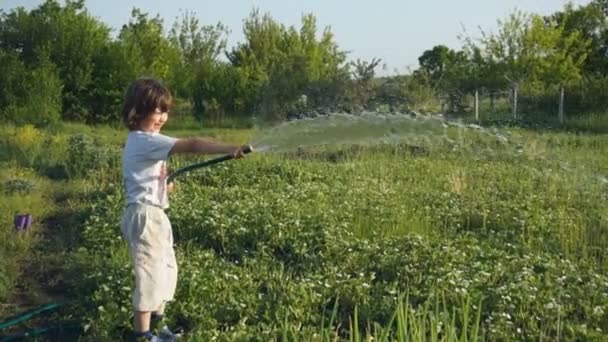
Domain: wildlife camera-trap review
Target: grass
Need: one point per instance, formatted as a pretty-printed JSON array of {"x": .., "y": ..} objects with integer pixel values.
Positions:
[
  {"x": 594, "y": 123},
  {"x": 476, "y": 241},
  {"x": 25, "y": 196}
]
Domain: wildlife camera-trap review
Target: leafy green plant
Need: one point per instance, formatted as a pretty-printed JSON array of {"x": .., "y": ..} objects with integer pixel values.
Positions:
[{"x": 86, "y": 155}]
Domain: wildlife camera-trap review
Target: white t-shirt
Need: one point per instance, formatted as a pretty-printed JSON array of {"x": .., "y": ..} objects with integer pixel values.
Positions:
[{"x": 144, "y": 168}]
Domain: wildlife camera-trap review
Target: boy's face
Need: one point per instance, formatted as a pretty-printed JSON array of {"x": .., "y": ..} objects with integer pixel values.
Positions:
[{"x": 154, "y": 121}]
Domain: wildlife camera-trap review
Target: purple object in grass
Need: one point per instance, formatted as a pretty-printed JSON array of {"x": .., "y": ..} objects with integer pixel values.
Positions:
[{"x": 23, "y": 221}]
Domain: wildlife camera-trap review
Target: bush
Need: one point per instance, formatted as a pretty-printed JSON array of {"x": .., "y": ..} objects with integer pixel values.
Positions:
[
  {"x": 25, "y": 145},
  {"x": 85, "y": 154},
  {"x": 30, "y": 96},
  {"x": 21, "y": 186}
]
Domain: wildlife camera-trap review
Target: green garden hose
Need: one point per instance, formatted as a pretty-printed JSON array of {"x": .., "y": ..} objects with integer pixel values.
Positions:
[
  {"x": 28, "y": 315},
  {"x": 185, "y": 169},
  {"x": 36, "y": 331},
  {"x": 40, "y": 331}
]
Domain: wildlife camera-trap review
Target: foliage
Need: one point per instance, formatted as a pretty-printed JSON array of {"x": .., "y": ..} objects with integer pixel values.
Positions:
[
  {"x": 29, "y": 95},
  {"x": 363, "y": 86},
  {"x": 281, "y": 64},
  {"x": 69, "y": 36},
  {"x": 408, "y": 93},
  {"x": 85, "y": 155},
  {"x": 80, "y": 72},
  {"x": 200, "y": 48},
  {"x": 591, "y": 24},
  {"x": 284, "y": 245},
  {"x": 529, "y": 50}
]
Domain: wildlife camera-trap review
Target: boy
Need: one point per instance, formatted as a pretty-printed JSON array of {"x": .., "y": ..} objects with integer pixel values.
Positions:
[{"x": 145, "y": 225}]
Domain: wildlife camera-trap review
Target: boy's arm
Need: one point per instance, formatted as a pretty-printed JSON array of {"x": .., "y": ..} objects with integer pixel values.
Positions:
[{"x": 205, "y": 146}]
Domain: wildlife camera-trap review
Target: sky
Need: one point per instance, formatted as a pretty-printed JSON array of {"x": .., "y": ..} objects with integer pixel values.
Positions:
[{"x": 397, "y": 31}]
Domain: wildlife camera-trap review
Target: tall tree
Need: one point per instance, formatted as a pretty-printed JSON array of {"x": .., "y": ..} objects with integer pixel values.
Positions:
[
  {"x": 29, "y": 94},
  {"x": 363, "y": 86},
  {"x": 280, "y": 64},
  {"x": 145, "y": 39},
  {"x": 536, "y": 53},
  {"x": 70, "y": 37},
  {"x": 434, "y": 62},
  {"x": 591, "y": 23},
  {"x": 200, "y": 47},
  {"x": 450, "y": 73}
]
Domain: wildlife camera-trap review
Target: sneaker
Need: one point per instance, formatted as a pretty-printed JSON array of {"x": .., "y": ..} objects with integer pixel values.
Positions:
[
  {"x": 145, "y": 338},
  {"x": 166, "y": 335}
]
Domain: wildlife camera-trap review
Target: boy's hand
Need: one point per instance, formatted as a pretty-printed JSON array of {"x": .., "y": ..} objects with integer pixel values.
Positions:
[
  {"x": 241, "y": 151},
  {"x": 171, "y": 187}
]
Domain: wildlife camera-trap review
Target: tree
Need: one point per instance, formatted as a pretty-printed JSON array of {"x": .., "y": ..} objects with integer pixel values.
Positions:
[
  {"x": 281, "y": 64},
  {"x": 29, "y": 94},
  {"x": 528, "y": 48},
  {"x": 560, "y": 55},
  {"x": 363, "y": 86},
  {"x": 449, "y": 72},
  {"x": 434, "y": 62},
  {"x": 199, "y": 48},
  {"x": 591, "y": 23},
  {"x": 408, "y": 93},
  {"x": 116, "y": 66},
  {"x": 146, "y": 42},
  {"x": 70, "y": 37}
]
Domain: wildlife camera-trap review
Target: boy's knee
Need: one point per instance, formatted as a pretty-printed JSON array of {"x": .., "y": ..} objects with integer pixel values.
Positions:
[
  {"x": 160, "y": 310},
  {"x": 159, "y": 313}
]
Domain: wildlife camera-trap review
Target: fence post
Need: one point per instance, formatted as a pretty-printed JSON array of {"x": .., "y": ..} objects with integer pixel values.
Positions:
[
  {"x": 477, "y": 105},
  {"x": 561, "y": 106},
  {"x": 515, "y": 102}
]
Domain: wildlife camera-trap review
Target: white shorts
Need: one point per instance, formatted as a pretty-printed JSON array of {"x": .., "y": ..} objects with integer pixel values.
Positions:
[{"x": 148, "y": 232}]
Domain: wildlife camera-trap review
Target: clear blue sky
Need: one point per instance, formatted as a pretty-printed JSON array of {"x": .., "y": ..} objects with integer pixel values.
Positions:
[{"x": 398, "y": 31}]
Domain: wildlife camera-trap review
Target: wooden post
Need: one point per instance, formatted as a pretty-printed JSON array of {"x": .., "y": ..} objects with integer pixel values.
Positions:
[
  {"x": 515, "y": 102},
  {"x": 477, "y": 106},
  {"x": 561, "y": 106}
]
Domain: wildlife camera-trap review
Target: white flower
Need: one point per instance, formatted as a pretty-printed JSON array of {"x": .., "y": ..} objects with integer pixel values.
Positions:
[{"x": 598, "y": 310}]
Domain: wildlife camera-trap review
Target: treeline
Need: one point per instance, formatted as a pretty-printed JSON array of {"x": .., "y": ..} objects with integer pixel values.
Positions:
[
  {"x": 58, "y": 62},
  {"x": 539, "y": 57}
]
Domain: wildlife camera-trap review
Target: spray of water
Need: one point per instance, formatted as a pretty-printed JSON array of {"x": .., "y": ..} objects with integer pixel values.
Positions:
[
  {"x": 420, "y": 131},
  {"x": 336, "y": 130}
]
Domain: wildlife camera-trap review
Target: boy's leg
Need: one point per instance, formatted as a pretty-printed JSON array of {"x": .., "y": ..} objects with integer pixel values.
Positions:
[
  {"x": 142, "y": 321},
  {"x": 150, "y": 235},
  {"x": 159, "y": 313},
  {"x": 142, "y": 326}
]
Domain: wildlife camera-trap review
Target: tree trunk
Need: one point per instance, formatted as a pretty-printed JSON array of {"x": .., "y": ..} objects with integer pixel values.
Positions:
[
  {"x": 515, "y": 103},
  {"x": 477, "y": 106},
  {"x": 561, "y": 106}
]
